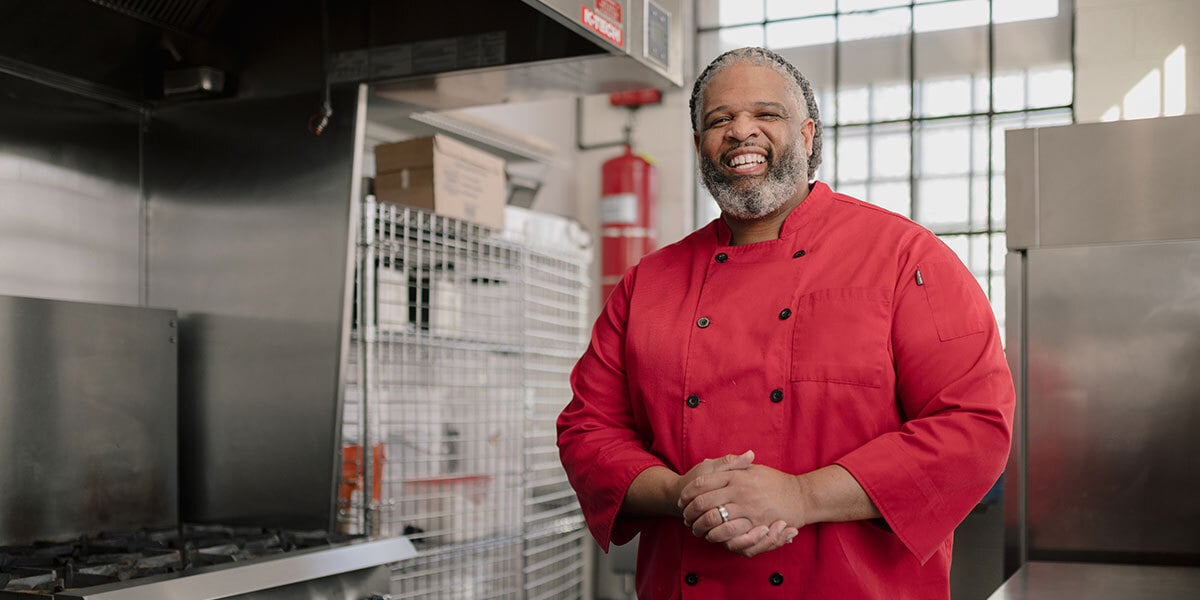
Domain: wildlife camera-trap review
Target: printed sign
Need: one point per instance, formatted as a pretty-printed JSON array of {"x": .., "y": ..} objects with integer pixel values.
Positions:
[
  {"x": 602, "y": 26},
  {"x": 610, "y": 9}
]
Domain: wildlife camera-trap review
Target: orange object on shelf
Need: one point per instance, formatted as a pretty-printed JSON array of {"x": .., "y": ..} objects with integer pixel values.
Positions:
[{"x": 352, "y": 472}]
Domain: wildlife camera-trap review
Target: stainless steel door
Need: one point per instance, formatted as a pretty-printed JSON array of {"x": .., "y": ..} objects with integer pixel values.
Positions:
[{"x": 1113, "y": 400}]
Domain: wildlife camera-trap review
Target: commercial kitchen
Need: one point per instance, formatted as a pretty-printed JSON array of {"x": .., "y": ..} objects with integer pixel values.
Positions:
[{"x": 290, "y": 290}]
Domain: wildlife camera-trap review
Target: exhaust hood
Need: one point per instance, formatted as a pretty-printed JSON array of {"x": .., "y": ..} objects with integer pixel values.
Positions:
[
  {"x": 506, "y": 50},
  {"x": 132, "y": 52}
]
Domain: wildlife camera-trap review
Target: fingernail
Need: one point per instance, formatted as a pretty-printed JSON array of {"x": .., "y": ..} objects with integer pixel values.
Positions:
[
  {"x": 790, "y": 537},
  {"x": 762, "y": 533}
]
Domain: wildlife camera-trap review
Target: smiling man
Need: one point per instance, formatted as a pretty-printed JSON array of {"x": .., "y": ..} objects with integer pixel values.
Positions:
[{"x": 801, "y": 399}]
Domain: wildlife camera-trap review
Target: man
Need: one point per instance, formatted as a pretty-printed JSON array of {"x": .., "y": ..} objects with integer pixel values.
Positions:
[{"x": 800, "y": 400}]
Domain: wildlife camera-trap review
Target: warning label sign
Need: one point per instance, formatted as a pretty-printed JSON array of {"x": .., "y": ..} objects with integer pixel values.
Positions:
[{"x": 607, "y": 29}]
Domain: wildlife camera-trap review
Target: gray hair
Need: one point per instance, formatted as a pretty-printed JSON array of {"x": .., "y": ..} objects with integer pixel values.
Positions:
[{"x": 798, "y": 85}]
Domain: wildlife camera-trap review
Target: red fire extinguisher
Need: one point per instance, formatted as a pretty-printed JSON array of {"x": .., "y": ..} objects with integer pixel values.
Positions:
[{"x": 627, "y": 215}]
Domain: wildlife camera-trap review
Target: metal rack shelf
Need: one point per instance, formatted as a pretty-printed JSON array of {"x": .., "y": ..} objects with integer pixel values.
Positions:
[{"x": 463, "y": 342}]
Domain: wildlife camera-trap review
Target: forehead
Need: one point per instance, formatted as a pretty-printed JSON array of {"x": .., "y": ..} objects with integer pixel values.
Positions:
[{"x": 742, "y": 82}]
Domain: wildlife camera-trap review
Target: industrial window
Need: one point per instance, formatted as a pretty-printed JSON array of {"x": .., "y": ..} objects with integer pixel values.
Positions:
[{"x": 915, "y": 96}]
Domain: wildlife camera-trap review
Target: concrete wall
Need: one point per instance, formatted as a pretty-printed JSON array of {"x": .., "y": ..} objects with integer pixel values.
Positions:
[{"x": 1136, "y": 58}]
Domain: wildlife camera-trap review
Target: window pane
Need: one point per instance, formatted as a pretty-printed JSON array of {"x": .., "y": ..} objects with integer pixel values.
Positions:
[
  {"x": 847, "y": 5},
  {"x": 979, "y": 255},
  {"x": 852, "y": 156},
  {"x": 979, "y": 145},
  {"x": 942, "y": 203},
  {"x": 959, "y": 244},
  {"x": 999, "y": 251},
  {"x": 890, "y": 101},
  {"x": 941, "y": 97},
  {"x": 980, "y": 101},
  {"x": 827, "y": 172},
  {"x": 805, "y": 32},
  {"x": 950, "y": 15},
  {"x": 873, "y": 24},
  {"x": 997, "y": 298},
  {"x": 855, "y": 190},
  {"x": 853, "y": 105},
  {"x": 1050, "y": 86},
  {"x": 1022, "y": 10},
  {"x": 893, "y": 196},
  {"x": 715, "y": 43},
  {"x": 944, "y": 149},
  {"x": 1009, "y": 91},
  {"x": 826, "y": 106},
  {"x": 711, "y": 13},
  {"x": 979, "y": 203},
  {"x": 1049, "y": 118},
  {"x": 999, "y": 202},
  {"x": 890, "y": 154},
  {"x": 790, "y": 9}
]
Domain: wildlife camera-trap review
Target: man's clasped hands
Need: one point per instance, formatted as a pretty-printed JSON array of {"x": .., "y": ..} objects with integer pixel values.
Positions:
[{"x": 763, "y": 507}]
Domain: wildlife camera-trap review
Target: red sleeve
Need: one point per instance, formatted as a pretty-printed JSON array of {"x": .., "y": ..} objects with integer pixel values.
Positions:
[
  {"x": 956, "y": 395},
  {"x": 597, "y": 434}
]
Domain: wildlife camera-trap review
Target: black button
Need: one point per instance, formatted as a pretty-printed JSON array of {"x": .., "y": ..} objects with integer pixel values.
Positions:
[
  {"x": 703, "y": 322},
  {"x": 776, "y": 579},
  {"x": 693, "y": 401},
  {"x": 722, "y": 257},
  {"x": 785, "y": 313},
  {"x": 691, "y": 579},
  {"x": 798, "y": 254},
  {"x": 777, "y": 396}
]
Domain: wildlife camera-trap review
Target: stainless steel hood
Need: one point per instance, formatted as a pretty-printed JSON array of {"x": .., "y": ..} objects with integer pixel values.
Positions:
[
  {"x": 128, "y": 52},
  {"x": 510, "y": 50}
]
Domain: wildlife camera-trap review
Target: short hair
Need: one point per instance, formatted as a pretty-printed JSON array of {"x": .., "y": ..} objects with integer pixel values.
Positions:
[{"x": 798, "y": 85}]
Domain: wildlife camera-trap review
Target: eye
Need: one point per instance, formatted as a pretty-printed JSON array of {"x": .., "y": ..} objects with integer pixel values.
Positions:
[
  {"x": 769, "y": 116},
  {"x": 718, "y": 121}
]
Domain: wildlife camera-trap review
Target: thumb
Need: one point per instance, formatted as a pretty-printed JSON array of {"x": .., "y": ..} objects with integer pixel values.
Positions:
[{"x": 731, "y": 462}]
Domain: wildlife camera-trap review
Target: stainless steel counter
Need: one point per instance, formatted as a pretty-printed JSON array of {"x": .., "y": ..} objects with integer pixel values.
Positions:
[{"x": 1093, "y": 581}]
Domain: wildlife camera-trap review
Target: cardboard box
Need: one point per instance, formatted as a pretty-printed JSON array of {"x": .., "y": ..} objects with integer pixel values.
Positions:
[{"x": 442, "y": 175}]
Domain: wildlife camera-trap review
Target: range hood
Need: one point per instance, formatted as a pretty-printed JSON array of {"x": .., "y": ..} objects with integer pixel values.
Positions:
[
  {"x": 140, "y": 53},
  {"x": 508, "y": 50}
]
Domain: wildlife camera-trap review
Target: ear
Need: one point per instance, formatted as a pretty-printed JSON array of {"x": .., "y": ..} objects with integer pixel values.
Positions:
[
  {"x": 696, "y": 141},
  {"x": 808, "y": 130}
]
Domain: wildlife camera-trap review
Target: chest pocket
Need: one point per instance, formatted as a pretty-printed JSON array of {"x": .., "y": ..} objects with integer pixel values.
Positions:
[{"x": 841, "y": 336}]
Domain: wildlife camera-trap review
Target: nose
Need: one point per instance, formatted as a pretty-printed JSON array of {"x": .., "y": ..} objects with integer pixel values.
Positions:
[{"x": 742, "y": 129}]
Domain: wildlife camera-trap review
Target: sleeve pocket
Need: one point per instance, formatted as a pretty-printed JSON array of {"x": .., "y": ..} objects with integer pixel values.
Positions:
[{"x": 957, "y": 302}]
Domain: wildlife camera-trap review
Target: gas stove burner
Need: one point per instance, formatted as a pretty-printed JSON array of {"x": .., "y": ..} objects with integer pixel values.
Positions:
[{"x": 114, "y": 556}]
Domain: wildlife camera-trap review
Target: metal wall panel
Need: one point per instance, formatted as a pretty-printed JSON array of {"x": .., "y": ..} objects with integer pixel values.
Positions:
[
  {"x": 70, "y": 198},
  {"x": 87, "y": 419},
  {"x": 1113, "y": 400},
  {"x": 249, "y": 237},
  {"x": 1127, "y": 181}
]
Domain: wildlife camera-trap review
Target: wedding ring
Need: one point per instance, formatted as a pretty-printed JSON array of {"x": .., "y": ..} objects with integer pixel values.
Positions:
[{"x": 724, "y": 513}]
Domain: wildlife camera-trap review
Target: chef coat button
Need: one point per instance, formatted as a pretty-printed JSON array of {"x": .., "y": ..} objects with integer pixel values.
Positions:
[
  {"x": 691, "y": 579},
  {"x": 798, "y": 254},
  {"x": 785, "y": 313},
  {"x": 776, "y": 579},
  {"x": 722, "y": 257},
  {"x": 703, "y": 322},
  {"x": 777, "y": 396},
  {"x": 693, "y": 401}
]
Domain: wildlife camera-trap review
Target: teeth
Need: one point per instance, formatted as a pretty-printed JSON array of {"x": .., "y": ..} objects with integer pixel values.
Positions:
[{"x": 746, "y": 159}]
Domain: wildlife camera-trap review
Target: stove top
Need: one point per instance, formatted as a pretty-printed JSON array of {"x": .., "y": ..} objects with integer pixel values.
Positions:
[{"x": 48, "y": 568}]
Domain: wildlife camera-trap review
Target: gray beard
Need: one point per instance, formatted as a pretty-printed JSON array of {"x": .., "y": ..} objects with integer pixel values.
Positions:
[{"x": 782, "y": 179}]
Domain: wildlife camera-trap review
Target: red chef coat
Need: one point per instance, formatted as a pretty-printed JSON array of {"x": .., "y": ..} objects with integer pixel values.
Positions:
[{"x": 857, "y": 338}]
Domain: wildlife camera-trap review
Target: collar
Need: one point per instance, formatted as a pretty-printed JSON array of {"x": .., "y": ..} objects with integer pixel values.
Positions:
[{"x": 818, "y": 197}]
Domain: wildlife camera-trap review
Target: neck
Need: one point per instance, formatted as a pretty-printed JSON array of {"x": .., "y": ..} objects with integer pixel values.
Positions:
[{"x": 767, "y": 227}]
